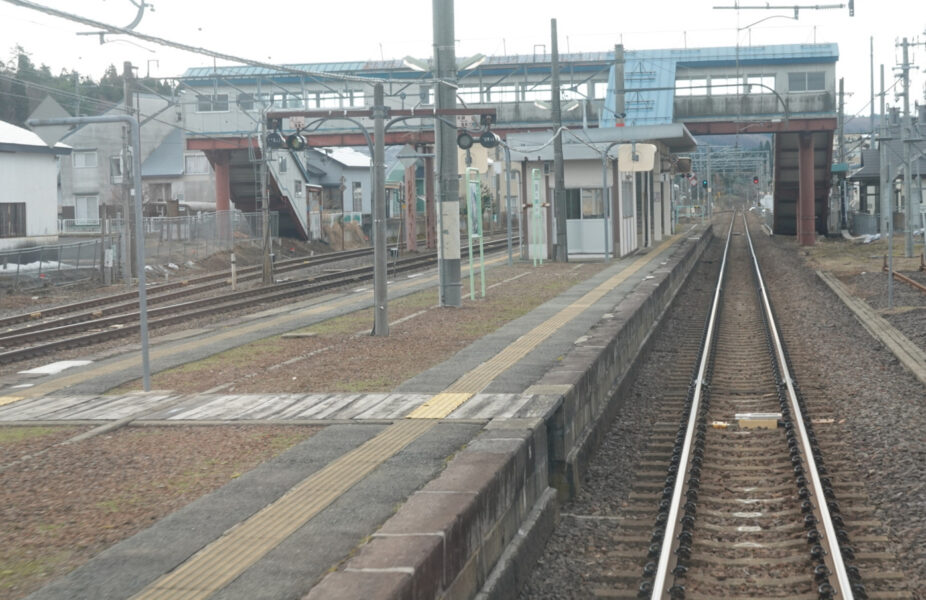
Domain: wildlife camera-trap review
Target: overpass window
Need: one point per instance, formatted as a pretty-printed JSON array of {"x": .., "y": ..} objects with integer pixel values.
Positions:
[
  {"x": 469, "y": 95},
  {"x": 426, "y": 94},
  {"x": 691, "y": 87},
  {"x": 724, "y": 86},
  {"x": 245, "y": 101},
  {"x": 760, "y": 84},
  {"x": 533, "y": 93},
  {"x": 804, "y": 81},
  {"x": 329, "y": 100},
  {"x": 288, "y": 100},
  {"x": 503, "y": 93},
  {"x": 211, "y": 103}
]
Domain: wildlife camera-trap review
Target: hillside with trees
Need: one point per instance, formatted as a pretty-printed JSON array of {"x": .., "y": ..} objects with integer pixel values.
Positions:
[{"x": 23, "y": 85}]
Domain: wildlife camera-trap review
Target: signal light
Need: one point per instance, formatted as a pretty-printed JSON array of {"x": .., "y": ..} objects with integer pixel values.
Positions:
[
  {"x": 704, "y": 183},
  {"x": 755, "y": 180},
  {"x": 295, "y": 142},
  {"x": 464, "y": 140},
  {"x": 488, "y": 139}
]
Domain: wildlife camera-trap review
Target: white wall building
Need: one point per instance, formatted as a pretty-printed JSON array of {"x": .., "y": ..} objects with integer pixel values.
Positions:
[{"x": 28, "y": 188}]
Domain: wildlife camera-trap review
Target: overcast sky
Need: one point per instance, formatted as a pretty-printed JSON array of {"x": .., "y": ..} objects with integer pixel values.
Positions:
[{"x": 291, "y": 31}]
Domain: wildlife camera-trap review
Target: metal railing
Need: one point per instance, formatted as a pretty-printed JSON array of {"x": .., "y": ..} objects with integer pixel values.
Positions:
[
  {"x": 37, "y": 266},
  {"x": 175, "y": 240}
]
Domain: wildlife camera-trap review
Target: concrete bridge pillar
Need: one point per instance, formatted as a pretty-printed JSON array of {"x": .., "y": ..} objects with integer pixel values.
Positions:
[{"x": 806, "y": 234}]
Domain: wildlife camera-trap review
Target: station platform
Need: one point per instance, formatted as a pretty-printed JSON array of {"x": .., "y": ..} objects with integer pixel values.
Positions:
[{"x": 445, "y": 487}]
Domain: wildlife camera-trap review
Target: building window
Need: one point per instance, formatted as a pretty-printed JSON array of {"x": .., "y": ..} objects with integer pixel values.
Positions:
[
  {"x": 297, "y": 187},
  {"x": 357, "y": 189},
  {"x": 115, "y": 169},
  {"x": 803, "y": 81},
  {"x": 83, "y": 159},
  {"x": 86, "y": 210},
  {"x": 600, "y": 89},
  {"x": 584, "y": 204},
  {"x": 12, "y": 219},
  {"x": 283, "y": 164},
  {"x": 245, "y": 101},
  {"x": 212, "y": 103},
  {"x": 196, "y": 164}
]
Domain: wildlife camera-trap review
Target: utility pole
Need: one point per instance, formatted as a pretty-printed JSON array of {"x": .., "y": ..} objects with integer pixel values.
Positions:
[
  {"x": 559, "y": 173},
  {"x": 445, "y": 150},
  {"x": 906, "y": 134},
  {"x": 887, "y": 211},
  {"x": 843, "y": 218},
  {"x": 380, "y": 316},
  {"x": 267, "y": 270},
  {"x": 619, "y": 109},
  {"x": 871, "y": 69},
  {"x": 128, "y": 235}
]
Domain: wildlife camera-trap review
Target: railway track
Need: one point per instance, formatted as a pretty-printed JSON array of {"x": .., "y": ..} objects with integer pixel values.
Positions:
[
  {"x": 738, "y": 497},
  {"x": 85, "y": 323}
]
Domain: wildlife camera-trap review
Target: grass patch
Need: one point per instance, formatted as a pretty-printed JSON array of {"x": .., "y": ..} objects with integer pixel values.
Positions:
[{"x": 12, "y": 435}]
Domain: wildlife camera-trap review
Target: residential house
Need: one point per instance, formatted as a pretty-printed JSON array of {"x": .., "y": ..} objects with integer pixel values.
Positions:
[{"x": 28, "y": 187}]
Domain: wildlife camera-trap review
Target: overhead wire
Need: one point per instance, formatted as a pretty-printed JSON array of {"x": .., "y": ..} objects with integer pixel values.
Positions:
[{"x": 186, "y": 47}]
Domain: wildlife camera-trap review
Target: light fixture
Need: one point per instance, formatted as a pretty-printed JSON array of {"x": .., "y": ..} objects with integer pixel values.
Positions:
[
  {"x": 416, "y": 64},
  {"x": 541, "y": 105},
  {"x": 470, "y": 63},
  {"x": 572, "y": 106}
]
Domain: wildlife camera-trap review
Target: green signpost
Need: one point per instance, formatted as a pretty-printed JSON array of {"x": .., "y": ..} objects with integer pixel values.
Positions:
[
  {"x": 537, "y": 245},
  {"x": 474, "y": 226}
]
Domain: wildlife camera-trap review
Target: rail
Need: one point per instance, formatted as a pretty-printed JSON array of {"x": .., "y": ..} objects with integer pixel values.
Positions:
[{"x": 833, "y": 559}]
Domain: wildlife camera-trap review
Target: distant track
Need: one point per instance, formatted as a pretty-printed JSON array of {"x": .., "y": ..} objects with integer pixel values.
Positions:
[{"x": 121, "y": 317}]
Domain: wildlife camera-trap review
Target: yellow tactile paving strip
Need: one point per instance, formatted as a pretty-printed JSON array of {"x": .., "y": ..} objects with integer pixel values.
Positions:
[
  {"x": 220, "y": 562},
  {"x": 479, "y": 378}
]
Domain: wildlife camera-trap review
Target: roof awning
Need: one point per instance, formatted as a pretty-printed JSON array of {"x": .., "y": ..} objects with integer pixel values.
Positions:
[{"x": 588, "y": 144}]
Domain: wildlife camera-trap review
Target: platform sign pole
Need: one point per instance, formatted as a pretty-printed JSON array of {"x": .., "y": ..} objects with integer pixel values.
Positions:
[{"x": 537, "y": 218}]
